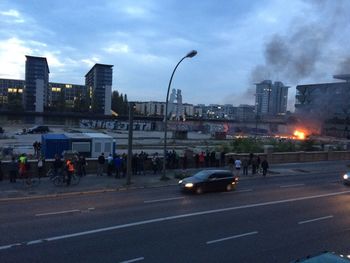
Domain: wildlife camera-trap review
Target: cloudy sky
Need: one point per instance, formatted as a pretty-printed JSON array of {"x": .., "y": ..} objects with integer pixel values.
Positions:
[{"x": 238, "y": 43}]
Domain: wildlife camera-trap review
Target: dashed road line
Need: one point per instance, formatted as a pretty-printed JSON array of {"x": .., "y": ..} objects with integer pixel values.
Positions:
[
  {"x": 163, "y": 200},
  {"x": 133, "y": 260},
  {"x": 315, "y": 219},
  {"x": 59, "y": 212},
  {"x": 232, "y": 237}
]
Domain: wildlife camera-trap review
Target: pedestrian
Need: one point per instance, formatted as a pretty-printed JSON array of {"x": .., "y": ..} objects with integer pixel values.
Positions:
[
  {"x": 238, "y": 164},
  {"x": 258, "y": 161},
  {"x": 13, "y": 168},
  {"x": 231, "y": 163},
  {"x": 124, "y": 164},
  {"x": 201, "y": 159},
  {"x": 100, "y": 164},
  {"x": 155, "y": 162},
  {"x": 134, "y": 164},
  {"x": 35, "y": 148},
  {"x": 264, "y": 166},
  {"x": 69, "y": 170},
  {"x": 142, "y": 160},
  {"x": 22, "y": 165},
  {"x": 245, "y": 165},
  {"x": 57, "y": 166},
  {"x": 254, "y": 164},
  {"x": 222, "y": 158},
  {"x": 38, "y": 149},
  {"x": 117, "y": 165},
  {"x": 110, "y": 165},
  {"x": 40, "y": 165},
  {"x": 83, "y": 164}
]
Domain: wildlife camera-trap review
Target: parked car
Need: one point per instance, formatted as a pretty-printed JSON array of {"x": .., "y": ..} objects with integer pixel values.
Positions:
[
  {"x": 38, "y": 129},
  {"x": 209, "y": 180},
  {"x": 328, "y": 257}
]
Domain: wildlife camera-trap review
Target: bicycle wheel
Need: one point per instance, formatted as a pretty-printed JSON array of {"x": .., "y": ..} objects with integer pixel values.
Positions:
[
  {"x": 58, "y": 181},
  {"x": 75, "y": 179}
]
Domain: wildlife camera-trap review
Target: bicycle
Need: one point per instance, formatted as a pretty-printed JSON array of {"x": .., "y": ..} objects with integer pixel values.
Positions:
[
  {"x": 29, "y": 181},
  {"x": 61, "y": 179}
]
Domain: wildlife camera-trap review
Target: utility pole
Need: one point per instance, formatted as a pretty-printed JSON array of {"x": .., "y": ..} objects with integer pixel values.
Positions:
[{"x": 129, "y": 157}]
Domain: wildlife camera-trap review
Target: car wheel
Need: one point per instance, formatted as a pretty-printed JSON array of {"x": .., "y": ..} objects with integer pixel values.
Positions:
[
  {"x": 199, "y": 190},
  {"x": 229, "y": 187}
]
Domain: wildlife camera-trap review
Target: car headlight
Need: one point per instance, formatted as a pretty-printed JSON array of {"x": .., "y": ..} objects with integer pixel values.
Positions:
[
  {"x": 345, "y": 176},
  {"x": 189, "y": 185},
  {"x": 180, "y": 182}
]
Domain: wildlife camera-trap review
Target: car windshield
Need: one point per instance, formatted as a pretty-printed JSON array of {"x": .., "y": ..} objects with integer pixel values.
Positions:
[{"x": 202, "y": 175}]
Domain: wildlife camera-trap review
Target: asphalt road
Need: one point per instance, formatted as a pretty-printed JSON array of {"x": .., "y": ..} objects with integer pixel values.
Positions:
[{"x": 274, "y": 219}]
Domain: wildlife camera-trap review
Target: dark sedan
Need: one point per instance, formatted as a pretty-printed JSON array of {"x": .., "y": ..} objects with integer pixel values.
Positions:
[{"x": 209, "y": 180}]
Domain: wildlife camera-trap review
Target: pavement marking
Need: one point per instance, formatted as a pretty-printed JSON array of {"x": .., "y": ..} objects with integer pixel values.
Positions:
[
  {"x": 162, "y": 200},
  {"x": 133, "y": 260},
  {"x": 231, "y": 237},
  {"x": 168, "y": 218},
  {"x": 291, "y": 185},
  {"x": 315, "y": 219},
  {"x": 59, "y": 213}
]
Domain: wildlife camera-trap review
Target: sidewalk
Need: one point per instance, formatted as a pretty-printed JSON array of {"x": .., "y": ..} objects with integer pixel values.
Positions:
[{"x": 95, "y": 184}]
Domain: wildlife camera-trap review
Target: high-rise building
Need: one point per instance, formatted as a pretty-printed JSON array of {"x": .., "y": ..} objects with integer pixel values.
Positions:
[
  {"x": 11, "y": 94},
  {"x": 36, "y": 84},
  {"x": 324, "y": 100},
  {"x": 68, "y": 96},
  {"x": 99, "y": 86},
  {"x": 271, "y": 98}
]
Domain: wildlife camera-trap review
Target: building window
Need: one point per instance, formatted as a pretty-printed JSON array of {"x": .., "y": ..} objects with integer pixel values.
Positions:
[
  {"x": 68, "y": 86},
  {"x": 54, "y": 89}
]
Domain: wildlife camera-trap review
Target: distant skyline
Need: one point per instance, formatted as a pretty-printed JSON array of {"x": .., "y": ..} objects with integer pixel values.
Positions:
[{"x": 238, "y": 43}]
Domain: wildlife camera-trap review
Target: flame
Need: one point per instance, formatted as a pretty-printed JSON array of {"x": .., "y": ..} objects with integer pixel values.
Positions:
[{"x": 299, "y": 135}]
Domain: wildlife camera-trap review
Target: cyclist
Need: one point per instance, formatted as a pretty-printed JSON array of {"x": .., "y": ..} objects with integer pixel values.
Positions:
[{"x": 70, "y": 170}]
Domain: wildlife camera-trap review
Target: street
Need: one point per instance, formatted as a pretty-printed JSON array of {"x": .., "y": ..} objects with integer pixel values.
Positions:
[{"x": 273, "y": 219}]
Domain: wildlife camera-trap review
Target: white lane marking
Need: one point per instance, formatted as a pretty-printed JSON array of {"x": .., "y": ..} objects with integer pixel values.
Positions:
[
  {"x": 58, "y": 213},
  {"x": 162, "y": 200},
  {"x": 133, "y": 260},
  {"x": 206, "y": 212},
  {"x": 291, "y": 185},
  {"x": 315, "y": 219},
  {"x": 231, "y": 237},
  {"x": 9, "y": 246},
  {"x": 34, "y": 242}
]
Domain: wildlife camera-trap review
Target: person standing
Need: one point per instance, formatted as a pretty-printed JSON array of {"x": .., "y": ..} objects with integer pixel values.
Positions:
[
  {"x": 264, "y": 166},
  {"x": 70, "y": 170},
  {"x": 110, "y": 164},
  {"x": 245, "y": 164},
  {"x": 13, "y": 168},
  {"x": 117, "y": 165},
  {"x": 40, "y": 167},
  {"x": 238, "y": 164},
  {"x": 22, "y": 165},
  {"x": 155, "y": 163},
  {"x": 100, "y": 164},
  {"x": 82, "y": 163},
  {"x": 57, "y": 166},
  {"x": 254, "y": 165}
]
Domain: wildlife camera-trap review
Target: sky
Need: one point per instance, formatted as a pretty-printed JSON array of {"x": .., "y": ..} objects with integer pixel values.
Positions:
[{"x": 239, "y": 43}]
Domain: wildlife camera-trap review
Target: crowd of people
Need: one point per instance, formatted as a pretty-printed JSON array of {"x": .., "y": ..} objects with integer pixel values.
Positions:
[{"x": 116, "y": 165}]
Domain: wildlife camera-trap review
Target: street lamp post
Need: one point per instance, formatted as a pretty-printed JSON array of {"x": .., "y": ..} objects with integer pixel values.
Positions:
[{"x": 189, "y": 55}]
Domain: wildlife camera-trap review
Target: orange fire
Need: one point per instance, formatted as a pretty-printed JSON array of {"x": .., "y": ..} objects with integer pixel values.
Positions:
[{"x": 299, "y": 135}]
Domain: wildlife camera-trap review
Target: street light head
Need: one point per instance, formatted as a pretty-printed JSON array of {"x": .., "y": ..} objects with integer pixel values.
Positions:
[{"x": 191, "y": 54}]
